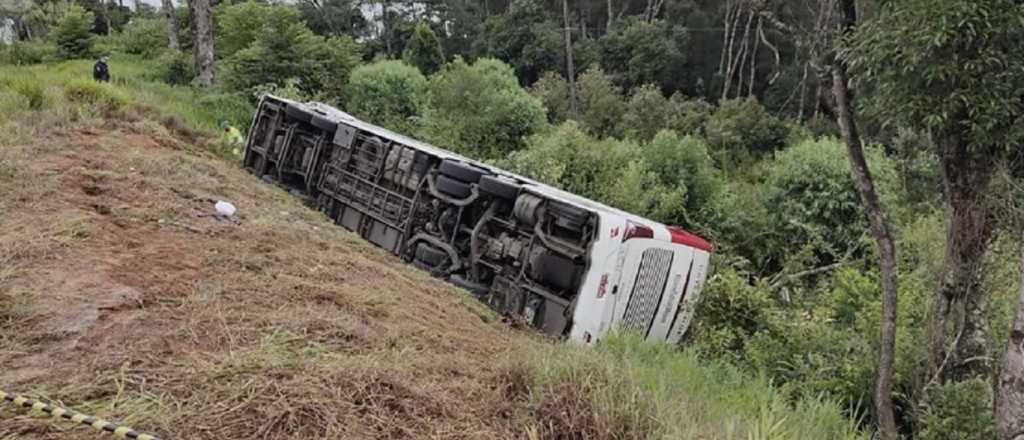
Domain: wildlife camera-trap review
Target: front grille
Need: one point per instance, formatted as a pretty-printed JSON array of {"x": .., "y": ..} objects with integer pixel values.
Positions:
[{"x": 647, "y": 289}]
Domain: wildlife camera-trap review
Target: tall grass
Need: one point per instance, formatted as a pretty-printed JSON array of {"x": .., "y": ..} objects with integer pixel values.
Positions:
[
  {"x": 637, "y": 390},
  {"x": 134, "y": 79}
]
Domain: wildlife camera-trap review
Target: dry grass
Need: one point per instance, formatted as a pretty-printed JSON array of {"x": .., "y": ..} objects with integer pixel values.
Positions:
[{"x": 123, "y": 295}]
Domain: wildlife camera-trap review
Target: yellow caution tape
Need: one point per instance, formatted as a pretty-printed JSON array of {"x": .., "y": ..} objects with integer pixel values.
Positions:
[{"x": 74, "y": 416}]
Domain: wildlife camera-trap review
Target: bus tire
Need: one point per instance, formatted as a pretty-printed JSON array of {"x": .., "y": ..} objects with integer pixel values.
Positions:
[
  {"x": 499, "y": 187},
  {"x": 452, "y": 187},
  {"x": 461, "y": 171}
]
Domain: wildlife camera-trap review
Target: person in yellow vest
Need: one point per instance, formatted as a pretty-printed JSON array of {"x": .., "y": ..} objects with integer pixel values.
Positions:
[{"x": 233, "y": 138}]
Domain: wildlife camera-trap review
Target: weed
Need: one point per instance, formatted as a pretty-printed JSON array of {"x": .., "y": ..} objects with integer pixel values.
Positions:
[{"x": 103, "y": 97}]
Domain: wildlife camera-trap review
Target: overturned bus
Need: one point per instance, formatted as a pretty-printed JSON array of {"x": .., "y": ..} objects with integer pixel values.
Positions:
[{"x": 564, "y": 264}]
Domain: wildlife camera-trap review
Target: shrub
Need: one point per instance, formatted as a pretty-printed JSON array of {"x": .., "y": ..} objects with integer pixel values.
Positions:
[
  {"x": 816, "y": 207},
  {"x": 647, "y": 112},
  {"x": 958, "y": 411},
  {"x": 101, "y": 96},
  {"x": 174, "y": 67},
  {"x": 740, "y": 128},
  {"x": 479, "y": 109},
  {"x": 553, "y": 91},
  {"x": 144, "y": 36},
  {"x": 683, "y": 163},
  {"x": 688, "y": 116},
  {"x": 33, "y": 92},
  {"x": 625, "y": 388},
  {"x": 601, "y": 103},
  {"x": 389, "y": 93},
  {"x": 73, "y": 33},
  {"x": 423, "y": 49},
  {"x": 282, "y": 49},
  {"x": 27, "y": 52}
]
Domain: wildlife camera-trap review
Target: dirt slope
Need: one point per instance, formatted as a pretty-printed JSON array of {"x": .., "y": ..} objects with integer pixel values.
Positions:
[{"x": 121, "y": 294}]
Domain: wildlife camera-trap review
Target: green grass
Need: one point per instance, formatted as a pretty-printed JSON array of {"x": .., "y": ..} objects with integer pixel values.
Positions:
[
  {"x": 132, "y": 78},
  {"x": 638, "y": 390}
]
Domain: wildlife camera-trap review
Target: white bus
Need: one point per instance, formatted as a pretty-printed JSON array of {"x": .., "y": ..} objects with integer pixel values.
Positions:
[{"x": 564, "y": 264}]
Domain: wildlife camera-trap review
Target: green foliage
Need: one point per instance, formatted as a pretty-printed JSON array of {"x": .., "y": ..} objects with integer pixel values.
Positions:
[
  {"x": 553, "y": 91},
  {"x": 631, "y": 389},
  {"x": 637, "y": 52},
  {"x": 600, "y": 103},
  {"x": 951, "y": 67},
  {"x": 647, "y": 112},
  {"x": 683, "y": 163},
  {"x": 479, "y": 109},
  {"x": 333, "y": 17},
  {"x": 740, "y": 128},
  {"x": 31, "y": 90},
  {"x": 175, "y": 68},
  {"x": 688, "y": 116},
  {"x": 814, "y": 202},
  {"x": 388, "y": 93},
  {"x": 73, "y": 34},
  {"x": 423, "y": 49},
  {"x": 524, "y": 38},
  {"x": 240, "y": 24},
  {"x": 27, "y": 52},
  {"x": 103, "y": 97},
  {"x": 275, "y": 47},
  {"x": 958, "y": 411},
  {"x": 144, "y": 36},
  {"x": 730, "y": 312}
]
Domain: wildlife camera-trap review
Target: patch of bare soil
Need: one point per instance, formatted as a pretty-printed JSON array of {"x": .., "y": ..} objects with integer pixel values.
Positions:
[{"x": 121, "y": 293}]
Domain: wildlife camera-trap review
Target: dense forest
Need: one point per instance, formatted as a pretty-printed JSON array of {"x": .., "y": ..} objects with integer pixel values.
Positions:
[{"x": 857, "y": 164}]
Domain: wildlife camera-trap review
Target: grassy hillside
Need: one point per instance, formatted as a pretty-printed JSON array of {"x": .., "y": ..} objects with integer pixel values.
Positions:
[{"x": 121, "y": 295}]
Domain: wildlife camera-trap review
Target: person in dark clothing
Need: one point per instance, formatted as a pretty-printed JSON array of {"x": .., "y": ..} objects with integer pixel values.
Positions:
[{"x": 100, "y": 72}]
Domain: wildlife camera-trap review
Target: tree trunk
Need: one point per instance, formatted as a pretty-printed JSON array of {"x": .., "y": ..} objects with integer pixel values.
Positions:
[
  {"x": 1009, "y": 410},
  {"x": 172, "y": 25},
  {"x": 106, "y": 15},
  {"x": 570, "y": 69},
  {"x": 203, "y": 41},
  {"x": 966, "y": 176},
  {"x": 611, "y": 18},
  {"x": 879, "y": 229}
]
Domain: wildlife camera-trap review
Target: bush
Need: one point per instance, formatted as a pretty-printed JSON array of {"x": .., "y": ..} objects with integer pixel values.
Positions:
[
  {"x": 741, "y": 128},
  {"x": 144, "y": 36},
  {"x": 816, "y": 208},
  {"x": 283, "y": 49},
  {"x": 688, "y": 116},
  {"x": 553, "y": 91},
  {"x": 33, "y": 92},
  {"x": 73, "y": 33},
  {"x": 101, "y": 96},
  {"x": 423, "y": 50},
  {"x": 174, "y": 67},
  {"x": 683, "y": 163},
  {"x": 601, "y": 103},
  {"x": 647, "y": 112},
  {"x": 27, "y": 52},
  {"x": 625, "y": 388},
  {"x": 388, "y": 93},
  {"x": 479, "y": 109},
  {"x": 958, "y": 411}
]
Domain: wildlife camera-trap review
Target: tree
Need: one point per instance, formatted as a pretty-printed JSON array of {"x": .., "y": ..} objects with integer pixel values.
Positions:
[
  {"x": 647, "y": 112},
  {"x": 601, "y": 104},
  {"x": 553, "y": 92},
  {"x": 951, "y": 68},
  {"x": 172, "y": 25},
  {"x": 73, "y": 34},
  {"x": 880, "y": 229},
  {"x": 333, "y": 17},
  {"x": 423, "y": 49},
  {"x": 636, "y": 52},
  {"x": 202, "y": 38},
  {"x": 388, "y": 93},
  {"x": 479, "y": 109}
]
